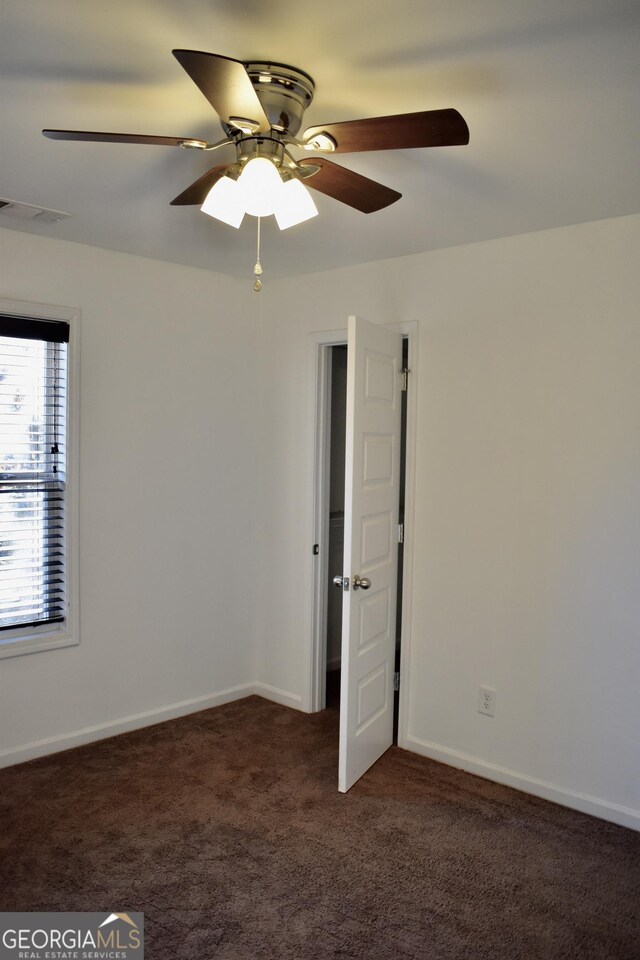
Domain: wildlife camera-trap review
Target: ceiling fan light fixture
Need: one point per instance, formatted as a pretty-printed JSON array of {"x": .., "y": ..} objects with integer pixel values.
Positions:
[
  {"x": 225, "y": 202},
  {"x": 295, "y": 205},
  {"x": 260, "y": 187}
]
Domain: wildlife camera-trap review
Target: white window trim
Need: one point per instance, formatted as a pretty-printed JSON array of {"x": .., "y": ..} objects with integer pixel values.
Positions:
[{"x": 16, "y": 643}]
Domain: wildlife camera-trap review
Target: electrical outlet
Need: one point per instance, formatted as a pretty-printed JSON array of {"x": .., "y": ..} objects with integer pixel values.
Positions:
[{"x": 487, "y": 701}]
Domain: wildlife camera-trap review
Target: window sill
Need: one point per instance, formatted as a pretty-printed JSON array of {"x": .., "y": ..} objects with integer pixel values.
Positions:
[{"x": 18, "y": 646}]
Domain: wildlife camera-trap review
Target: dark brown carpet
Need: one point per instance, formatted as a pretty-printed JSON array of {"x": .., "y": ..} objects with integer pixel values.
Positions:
[{"x": 226, "y": 829}]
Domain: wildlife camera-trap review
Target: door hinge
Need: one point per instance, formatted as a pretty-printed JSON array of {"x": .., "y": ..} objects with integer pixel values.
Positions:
[
  {"x": 401, "y": 533},
  {"x": 404, "y": 375},
  {"x": 396, "y": 680}
]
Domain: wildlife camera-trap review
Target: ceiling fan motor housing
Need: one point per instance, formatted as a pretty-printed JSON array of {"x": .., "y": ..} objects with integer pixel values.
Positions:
[{"x": 284, "y": 93}]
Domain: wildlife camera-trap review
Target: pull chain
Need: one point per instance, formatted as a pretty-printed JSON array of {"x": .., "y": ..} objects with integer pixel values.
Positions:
[{"x": 258, "y": 267}]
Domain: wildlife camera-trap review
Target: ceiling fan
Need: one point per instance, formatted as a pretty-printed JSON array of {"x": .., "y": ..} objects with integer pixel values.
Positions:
[{"x": 261, "y": 107}]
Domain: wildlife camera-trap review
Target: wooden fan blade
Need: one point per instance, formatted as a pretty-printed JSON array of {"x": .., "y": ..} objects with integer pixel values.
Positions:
[
  {"x": 349, "y": 187},
  {"x": 226, "y": 85},
  {"x": 120, "y": 138},
  {"x": 430, "y": 128},
  {"x": 197, "y": 192}
]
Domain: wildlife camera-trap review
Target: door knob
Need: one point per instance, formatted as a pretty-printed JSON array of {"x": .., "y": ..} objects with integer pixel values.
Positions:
[
  {"x": 342, "y": 582},
  {"x": 363, "y": 582}
]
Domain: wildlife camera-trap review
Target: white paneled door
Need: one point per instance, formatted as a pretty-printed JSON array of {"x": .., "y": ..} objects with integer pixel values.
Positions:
[{"x": 372, "y": 482}]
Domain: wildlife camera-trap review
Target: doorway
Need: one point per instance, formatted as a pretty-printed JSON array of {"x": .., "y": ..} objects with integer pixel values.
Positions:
[
  {"x": 327, "y": 599},
  {"x": 337, "y": 400}
]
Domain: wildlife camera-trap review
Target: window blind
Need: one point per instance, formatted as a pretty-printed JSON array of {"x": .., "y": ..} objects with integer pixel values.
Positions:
[{"x": 33, "y": 406}]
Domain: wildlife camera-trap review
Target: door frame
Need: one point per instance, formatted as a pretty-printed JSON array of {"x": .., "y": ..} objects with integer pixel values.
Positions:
[{"x": 318, "y": 519}]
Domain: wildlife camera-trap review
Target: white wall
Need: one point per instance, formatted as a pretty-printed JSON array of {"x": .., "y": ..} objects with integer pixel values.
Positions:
[
  {"x": 168, "y": 508},
  {"x": 196, "y": 469},
  {"x": 527, "y": 515}
]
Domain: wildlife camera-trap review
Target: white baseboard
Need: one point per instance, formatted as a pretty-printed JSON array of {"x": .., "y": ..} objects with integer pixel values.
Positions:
[
  {"x": 278, "y": 696},
  {"x": 615, "y": 813},
  {"x": 42, "y": 748},
  {"x": 78, "y": 738}
]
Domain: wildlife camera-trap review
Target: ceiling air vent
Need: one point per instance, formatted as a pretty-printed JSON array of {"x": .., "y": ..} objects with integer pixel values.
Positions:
[{"x": 27, "y": 211}]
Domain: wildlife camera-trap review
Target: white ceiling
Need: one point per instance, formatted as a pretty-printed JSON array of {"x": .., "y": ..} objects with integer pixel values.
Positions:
[{"x": 549, "y": 88}]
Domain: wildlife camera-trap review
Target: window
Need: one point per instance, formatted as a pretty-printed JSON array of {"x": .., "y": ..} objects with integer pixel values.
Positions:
[{"x": 34, "y": 554}]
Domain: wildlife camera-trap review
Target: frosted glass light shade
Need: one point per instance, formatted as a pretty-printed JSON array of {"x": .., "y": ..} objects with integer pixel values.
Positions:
[
  {"x": 225, "y": 202},
  {"x": 260, "y": 192},
  {"x": 295, "y": 205},
  {"x": 260, "y": 186}
]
